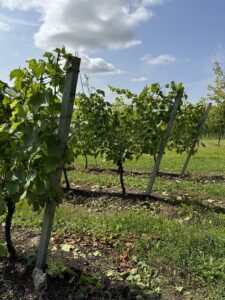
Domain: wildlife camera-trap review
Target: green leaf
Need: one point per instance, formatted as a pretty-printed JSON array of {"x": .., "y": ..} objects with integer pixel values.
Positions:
[
  {"x": 41, "y": 186},
  {"x": 2, "y": 85},
  {"x": 12, "y": 188},
  {"x": 16, "y": 73},
  {"x": 38, "y": 68},
  {"x": 36, "y": 101},
  {"x": 100, "y": 92},
  {"x": 48, "y": 55},
  {"x": 6, "y": 101},
  {"x": 15, "y": 125},
  {"x": 180, "y": 86},
  {"x": 13, "y": 104},
  {"x": 52, "y": 144}
]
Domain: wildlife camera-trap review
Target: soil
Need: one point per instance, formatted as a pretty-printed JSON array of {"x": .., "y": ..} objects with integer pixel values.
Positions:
[
  {"x": 72, "y": 278},
  {"x": 82, "y": 277}
]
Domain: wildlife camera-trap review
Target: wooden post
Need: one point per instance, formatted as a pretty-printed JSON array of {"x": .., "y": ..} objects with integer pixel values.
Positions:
[
  {"x": 199, "y": 131},
  {"x": 164, "y": 142},
  {"x": 63, "y": 132}
]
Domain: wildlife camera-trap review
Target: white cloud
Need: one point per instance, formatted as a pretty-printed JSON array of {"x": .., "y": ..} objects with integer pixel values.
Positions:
[
  {"x": 9, "y": 21},
  {"x": 140, "y": 79},
  {"x": 4, "y": 26},
  {"x": 85, "y": 25},
  {"x": 97, "y": 66},
  {"x": 158, "y": 60},
  {"x": 22, "y": 4},
  {"x": 153, "y": 2}
]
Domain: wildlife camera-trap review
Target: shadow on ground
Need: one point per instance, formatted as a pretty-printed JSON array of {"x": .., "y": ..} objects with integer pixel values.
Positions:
[
  {"x": 132, "y": 198},
  {"x": 16, "y": 284}
]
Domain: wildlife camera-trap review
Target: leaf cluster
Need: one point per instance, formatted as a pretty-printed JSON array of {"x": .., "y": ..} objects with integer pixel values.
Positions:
[
  {"x": 124, "y": 127},
  {"x": 29, "y": 111}
]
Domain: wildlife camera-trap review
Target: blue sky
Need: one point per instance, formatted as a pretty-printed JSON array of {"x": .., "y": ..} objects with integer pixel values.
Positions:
[{"x": 123, "y": 43}]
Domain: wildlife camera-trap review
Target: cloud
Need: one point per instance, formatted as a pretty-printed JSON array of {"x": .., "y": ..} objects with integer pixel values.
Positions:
[
  {"x": 153, "y": 2},
  {"x": 4, "y": 26},
  {"x": 85, "y": 25},
  {"x": 140, "y": 79},
  {"x": 97, "y": 66},
  {"x": 162, "y": 59},
  {"x": 22, "y": 4},
  {"x": 9, "y": 21}
]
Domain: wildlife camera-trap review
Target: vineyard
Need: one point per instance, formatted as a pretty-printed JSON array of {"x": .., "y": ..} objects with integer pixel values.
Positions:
[{"x": 108, "y": 197}]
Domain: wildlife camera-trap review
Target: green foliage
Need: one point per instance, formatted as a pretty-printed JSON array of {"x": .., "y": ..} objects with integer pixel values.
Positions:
[
  {"x": 217, "y": 91},
  {"x": 10, "y": 173},
  {"x": 216, "y": 120},
  {"x": 3, "y": 249},
  {"x": 121, "y": 143},
  {"x": 141, "y": 275},
  {"x": 29, "y": 113},
  {"x": 127, "y": 127},
  {"x": 153, "y": 107},
  {"x": 186, "y": 127},
  {"x": 90, "y": 124},
  {"x": 58, "y": 269}
]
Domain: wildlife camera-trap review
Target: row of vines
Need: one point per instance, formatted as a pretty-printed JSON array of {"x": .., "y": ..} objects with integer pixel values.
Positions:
[
  {"x": 117, "y": 129},
  {"x": 131, "y": 125}
]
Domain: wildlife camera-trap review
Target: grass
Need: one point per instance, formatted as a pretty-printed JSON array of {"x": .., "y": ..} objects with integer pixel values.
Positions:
[
  {"x": 191, "y": 245},
  {"x": 178, "y": 251},
  {"x": 208, "y": 160},
  {"x": 194, "y": 188}
]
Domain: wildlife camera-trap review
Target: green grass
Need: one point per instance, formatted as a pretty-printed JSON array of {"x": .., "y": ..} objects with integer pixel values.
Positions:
[
  {"x": 208, "y": 160},
  {"x": 192, "y": 249},
  {"x": 182, "y": 246},
  {"x": 205, "y": 190}
]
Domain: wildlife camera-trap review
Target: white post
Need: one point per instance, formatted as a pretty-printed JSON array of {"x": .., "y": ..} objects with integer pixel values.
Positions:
[
  {"x": 164, "y": 142},
  {"x": 63, "y": 132},
  {"x": 201, "y": 126}
]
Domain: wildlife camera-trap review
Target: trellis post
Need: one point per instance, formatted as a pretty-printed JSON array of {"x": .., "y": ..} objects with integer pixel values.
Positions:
[
  {"x": 72, "y": 72},
  {"x": 199, "y": 131},
  {"x": 164, "y": 141}
]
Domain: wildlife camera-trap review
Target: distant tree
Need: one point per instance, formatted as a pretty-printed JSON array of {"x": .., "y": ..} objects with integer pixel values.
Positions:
[{"x": 216, "y": 119}]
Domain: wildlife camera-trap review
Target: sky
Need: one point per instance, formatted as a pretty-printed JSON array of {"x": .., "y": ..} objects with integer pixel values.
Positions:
[{"x": 123, "y": 43}]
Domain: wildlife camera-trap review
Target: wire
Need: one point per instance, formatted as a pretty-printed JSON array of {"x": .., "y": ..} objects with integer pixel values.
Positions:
[{"x": 81, "y": 81}]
